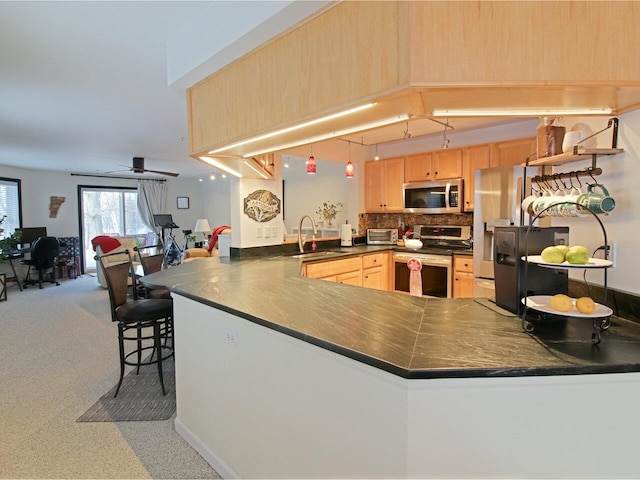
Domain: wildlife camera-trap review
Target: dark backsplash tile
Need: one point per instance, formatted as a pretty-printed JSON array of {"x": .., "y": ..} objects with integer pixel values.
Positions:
[{"x": 624, "y": 304}]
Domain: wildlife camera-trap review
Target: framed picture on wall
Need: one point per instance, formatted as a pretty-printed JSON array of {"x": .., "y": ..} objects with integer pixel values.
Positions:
[{"x": 183, "y": 202}]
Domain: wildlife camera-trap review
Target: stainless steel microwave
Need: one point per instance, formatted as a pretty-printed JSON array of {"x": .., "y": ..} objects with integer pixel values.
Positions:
[{"x": 433, "y": 197}]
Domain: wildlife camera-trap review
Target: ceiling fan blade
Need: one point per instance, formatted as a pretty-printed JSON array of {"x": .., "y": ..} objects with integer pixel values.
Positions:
[{"x": 171, "y": 174}]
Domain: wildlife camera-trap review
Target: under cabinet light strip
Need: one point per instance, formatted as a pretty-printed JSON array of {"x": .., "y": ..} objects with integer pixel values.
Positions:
[
  {"x": 215, "y": 163},
  {"x": 255, "y": 169},
  {"x": 510, "y": 112},
  {"x": 327, "y": 136},
  {"x": 295, "y": 127}
]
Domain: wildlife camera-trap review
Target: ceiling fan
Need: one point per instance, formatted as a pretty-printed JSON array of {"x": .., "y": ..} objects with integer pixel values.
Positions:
[{"x": 138, "y": 167}]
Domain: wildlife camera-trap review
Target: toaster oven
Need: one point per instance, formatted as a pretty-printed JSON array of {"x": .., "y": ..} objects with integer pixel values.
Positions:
[{"x": 382, "y": 236}]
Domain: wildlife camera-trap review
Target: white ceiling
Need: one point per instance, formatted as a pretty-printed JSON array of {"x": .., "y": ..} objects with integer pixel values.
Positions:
[{"x": 83, "y": 85}]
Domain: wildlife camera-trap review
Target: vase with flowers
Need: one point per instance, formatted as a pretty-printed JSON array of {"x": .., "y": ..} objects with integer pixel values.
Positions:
[{"x": 328, "y": 211}]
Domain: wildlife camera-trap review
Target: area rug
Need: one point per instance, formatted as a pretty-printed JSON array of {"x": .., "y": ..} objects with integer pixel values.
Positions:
[{"x": 140, "y": 398}]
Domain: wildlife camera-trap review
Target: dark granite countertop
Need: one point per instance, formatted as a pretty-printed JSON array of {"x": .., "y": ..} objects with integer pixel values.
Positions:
[{"x": 407, "y": 336}]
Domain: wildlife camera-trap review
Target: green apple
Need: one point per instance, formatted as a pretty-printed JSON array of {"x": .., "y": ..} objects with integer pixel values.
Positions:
[
  {"x": 577, "y": 255},
  {"x": 552, "y": 255}
]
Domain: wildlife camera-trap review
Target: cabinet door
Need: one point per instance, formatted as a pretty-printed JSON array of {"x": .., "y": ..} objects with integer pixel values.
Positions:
[
  {"x": 447, "y": 164},
  {"x": 374, "y": 186},
  {"x": 463, "y": 263},
  {"x": 374, "y": 278},
  {"x": 512, "y": 152},
  {"x": 473, "y": 158},
  {"x": 394, "y": 178},
  {"x": 375, "y": 271},
  {"x": 462, "y": 285},
  {"x": 333, "y": 267},
  {"x": 351, "y": 278},
  {"x": 417, "y": 168}
]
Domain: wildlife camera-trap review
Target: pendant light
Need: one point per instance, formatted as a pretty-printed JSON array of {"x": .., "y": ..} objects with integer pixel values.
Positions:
[
  {"x": 348, "y": 171},
  {"x": 311, "y": 163},
  {"x": 377, "y": 157}
]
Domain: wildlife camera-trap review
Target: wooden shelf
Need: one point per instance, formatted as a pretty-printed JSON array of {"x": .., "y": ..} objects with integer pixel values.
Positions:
[{"x": 579, "y": 153}]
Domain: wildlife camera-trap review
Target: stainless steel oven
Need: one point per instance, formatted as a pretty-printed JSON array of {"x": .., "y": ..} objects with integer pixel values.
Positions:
[{"x": 435, "y": 273}]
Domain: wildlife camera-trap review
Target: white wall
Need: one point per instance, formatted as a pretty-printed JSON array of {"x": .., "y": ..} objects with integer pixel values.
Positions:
[
  {"x": 216, "y": 198},
  {"x": 304, "y": 193},
  {"x": 244, "y": 229},
  {"x": 621, "y": 177}
]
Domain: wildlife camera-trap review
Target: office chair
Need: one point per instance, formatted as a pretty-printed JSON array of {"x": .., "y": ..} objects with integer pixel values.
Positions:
[
  {"x": 135, "y": 318},
  {"x": 44, "y": 252}
]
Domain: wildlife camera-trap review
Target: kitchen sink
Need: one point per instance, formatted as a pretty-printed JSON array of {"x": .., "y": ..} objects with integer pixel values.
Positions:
[{"x": 321, "y": 254}]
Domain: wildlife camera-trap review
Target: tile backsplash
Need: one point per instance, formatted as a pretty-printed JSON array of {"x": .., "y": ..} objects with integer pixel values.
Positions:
[{"x": 394, "y": 220}]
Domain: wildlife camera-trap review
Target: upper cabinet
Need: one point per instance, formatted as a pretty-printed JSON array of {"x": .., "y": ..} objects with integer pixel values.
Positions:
[
  {"x": 512, "y": 152},
  {"x": 440, "y": 165},
  {"x": 473, "y": 158},
  {"x": 447, "y": 164},
  {"x": 383, "y": 185},
  {"x": 417, "y": 168}
]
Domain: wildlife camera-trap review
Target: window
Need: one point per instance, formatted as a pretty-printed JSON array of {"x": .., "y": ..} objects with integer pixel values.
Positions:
[
  {"x": 108, "y": 211},
  {"x": 10, "y": 206}
]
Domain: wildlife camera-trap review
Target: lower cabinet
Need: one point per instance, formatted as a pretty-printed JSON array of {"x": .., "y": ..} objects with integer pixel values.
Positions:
[
  {"x": 370, "y": 270},
  {"x": 375, "y": 271},
  {"x": 462, "y": 276}
]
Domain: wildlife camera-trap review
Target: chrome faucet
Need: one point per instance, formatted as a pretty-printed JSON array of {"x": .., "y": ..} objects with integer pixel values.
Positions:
[{"x": 315, "y": 231}]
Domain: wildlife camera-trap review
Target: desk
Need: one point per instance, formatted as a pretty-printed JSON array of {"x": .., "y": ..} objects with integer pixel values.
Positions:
[{"x": 11, "y": 256}]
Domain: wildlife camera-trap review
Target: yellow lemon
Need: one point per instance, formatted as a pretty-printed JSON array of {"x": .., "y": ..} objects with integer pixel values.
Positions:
[
  {"x": 561, "y": 302},
  {"x": 585, "y": 305}
]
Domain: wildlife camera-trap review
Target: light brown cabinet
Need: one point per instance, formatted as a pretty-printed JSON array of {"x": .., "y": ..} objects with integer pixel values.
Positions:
[
  {"x": 512, "y": 152},
  {"x": 447, "y": 164},
  {"x": 370, "y": 270},
  {"x": 343, "y": 270},
  {"x": 383, "y": 185},
  {"x": 430, "y": 166},
  {"x": 375, "y": 271},
  {"x": 418, "y": 168},
  {"x": 462, "y": 276},
  {"x": 473, "y": 158}
]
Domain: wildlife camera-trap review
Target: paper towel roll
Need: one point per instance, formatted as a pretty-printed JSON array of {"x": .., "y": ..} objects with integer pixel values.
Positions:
[{"x": 345, "y": 235}]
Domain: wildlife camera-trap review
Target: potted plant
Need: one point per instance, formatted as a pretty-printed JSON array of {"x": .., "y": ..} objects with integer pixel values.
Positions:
[
  {"x": 9, "y": 243},
  {"x": 328, "y": 211}
]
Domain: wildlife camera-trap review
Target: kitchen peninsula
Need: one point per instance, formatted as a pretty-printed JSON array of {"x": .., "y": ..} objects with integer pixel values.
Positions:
[{"x": 283, "y": 376}]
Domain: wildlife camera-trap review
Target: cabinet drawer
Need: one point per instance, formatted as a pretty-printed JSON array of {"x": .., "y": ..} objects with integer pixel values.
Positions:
[
  {"x": 373, "y": 260},
  {"x": 463, "y": 264},
  {"x": 333, "y": 267}
]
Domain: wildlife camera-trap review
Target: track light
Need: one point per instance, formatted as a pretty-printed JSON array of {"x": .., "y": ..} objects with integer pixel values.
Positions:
[{"x": 407, "y": 135}]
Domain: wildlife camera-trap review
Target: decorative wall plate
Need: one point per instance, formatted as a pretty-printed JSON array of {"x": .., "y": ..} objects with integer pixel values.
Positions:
[{"x": 262, "y": 206}]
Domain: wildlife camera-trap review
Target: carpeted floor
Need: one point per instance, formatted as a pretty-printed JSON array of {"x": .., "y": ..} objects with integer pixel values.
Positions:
[{"x": 58, "y": 356}]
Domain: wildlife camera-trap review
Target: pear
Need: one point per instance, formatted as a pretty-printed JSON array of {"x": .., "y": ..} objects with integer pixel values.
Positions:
[
  {"x": 577, "y": 255},
  {"x": 552, "y": 255}
]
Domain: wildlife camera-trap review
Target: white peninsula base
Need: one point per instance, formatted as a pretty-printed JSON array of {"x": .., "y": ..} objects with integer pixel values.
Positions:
[{"x": 256, "y": 403}]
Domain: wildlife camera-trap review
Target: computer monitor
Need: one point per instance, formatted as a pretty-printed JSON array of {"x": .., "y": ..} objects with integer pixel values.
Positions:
[
  {"x": 31, "y": 234},
  {"x": 164, "y": 220}
]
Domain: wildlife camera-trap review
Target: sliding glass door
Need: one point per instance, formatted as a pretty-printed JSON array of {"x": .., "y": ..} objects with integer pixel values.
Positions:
[{"x": 108, "y": 211}]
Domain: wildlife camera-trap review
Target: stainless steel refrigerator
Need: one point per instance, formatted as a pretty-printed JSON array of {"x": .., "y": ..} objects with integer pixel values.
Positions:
[{"x": 498, "y": 196}]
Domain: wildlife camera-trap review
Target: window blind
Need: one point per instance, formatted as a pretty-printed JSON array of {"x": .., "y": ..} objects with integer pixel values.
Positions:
[{"x": 9, "y": 205}]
